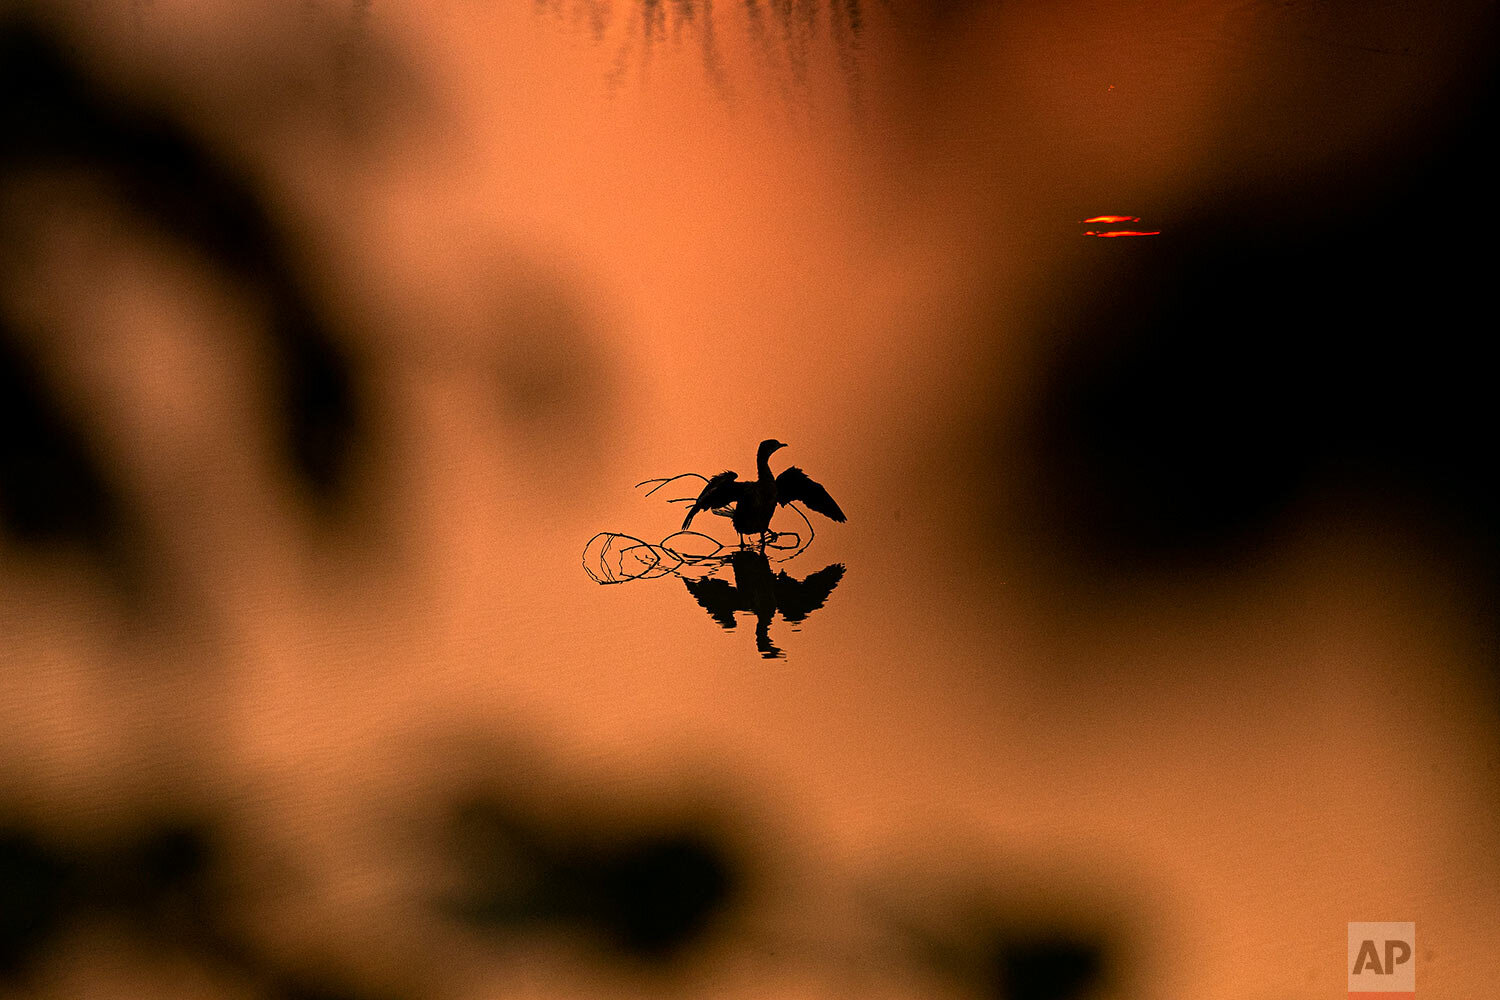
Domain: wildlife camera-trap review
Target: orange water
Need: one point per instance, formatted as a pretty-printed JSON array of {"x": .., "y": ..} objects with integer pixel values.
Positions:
[{"x": 578, "y": 263}]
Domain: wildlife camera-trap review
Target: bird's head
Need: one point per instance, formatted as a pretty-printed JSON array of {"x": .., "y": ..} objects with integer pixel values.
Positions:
[{"x": 768, "y": 446}]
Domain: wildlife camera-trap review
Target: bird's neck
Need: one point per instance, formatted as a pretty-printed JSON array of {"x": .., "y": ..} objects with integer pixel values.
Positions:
[{"x": 763, "y": 466}]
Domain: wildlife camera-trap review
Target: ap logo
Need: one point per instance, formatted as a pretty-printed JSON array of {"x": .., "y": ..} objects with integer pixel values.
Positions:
[{"x": 1382, "y": 961}]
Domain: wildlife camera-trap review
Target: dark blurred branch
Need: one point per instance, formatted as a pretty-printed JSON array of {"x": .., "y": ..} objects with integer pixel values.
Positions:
[{"x": 55, "y": 115}]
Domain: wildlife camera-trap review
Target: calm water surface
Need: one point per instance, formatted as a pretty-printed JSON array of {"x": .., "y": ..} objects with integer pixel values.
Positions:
[{"x": 1124, "y": 685}]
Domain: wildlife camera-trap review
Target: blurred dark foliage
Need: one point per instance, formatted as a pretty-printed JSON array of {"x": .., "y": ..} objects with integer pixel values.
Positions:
[
  {"x": 32, "y": 903},
  {"x": 641, "y": 894},
  {"x": 55, "y": 115},
  {"x": 165, "y": 880},
  {"x": 1320, "y": 341},
  {"x": 554, "y": 379},
  {"x": 1026, "y": 953},
  {"x": 52, "y": 488},
  {"x": 1058, "y": 966},
  {"x": 783, "y": 33}
]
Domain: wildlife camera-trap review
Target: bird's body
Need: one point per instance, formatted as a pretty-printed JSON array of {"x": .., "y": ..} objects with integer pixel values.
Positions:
[
  {"x": 752, "y": 514},
  {"x": 755, "y": 502}
]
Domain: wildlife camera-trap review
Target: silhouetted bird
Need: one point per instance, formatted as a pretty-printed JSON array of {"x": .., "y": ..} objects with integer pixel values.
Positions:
[
  {"x": 755, "y": 502},
  {"x": 757, "y": 590}
]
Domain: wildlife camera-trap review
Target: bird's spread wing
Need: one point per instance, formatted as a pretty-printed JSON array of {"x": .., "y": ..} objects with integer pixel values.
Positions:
[
  {"x": 720, "y": 491},
  {"x": 718, "y": 597},
  {"x": 796, "y": 599},
  {"x": 793, "y": 484}
]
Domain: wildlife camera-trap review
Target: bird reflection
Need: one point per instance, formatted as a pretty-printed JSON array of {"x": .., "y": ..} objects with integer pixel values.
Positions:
[{"x": 762, "y": 593}]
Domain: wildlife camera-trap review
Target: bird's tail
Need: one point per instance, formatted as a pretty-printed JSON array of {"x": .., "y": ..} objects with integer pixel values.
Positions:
[{"x": 692, "y": 512}]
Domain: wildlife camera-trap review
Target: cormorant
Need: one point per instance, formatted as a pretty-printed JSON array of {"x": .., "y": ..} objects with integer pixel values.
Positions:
[{"x": 755, "y": 502}]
